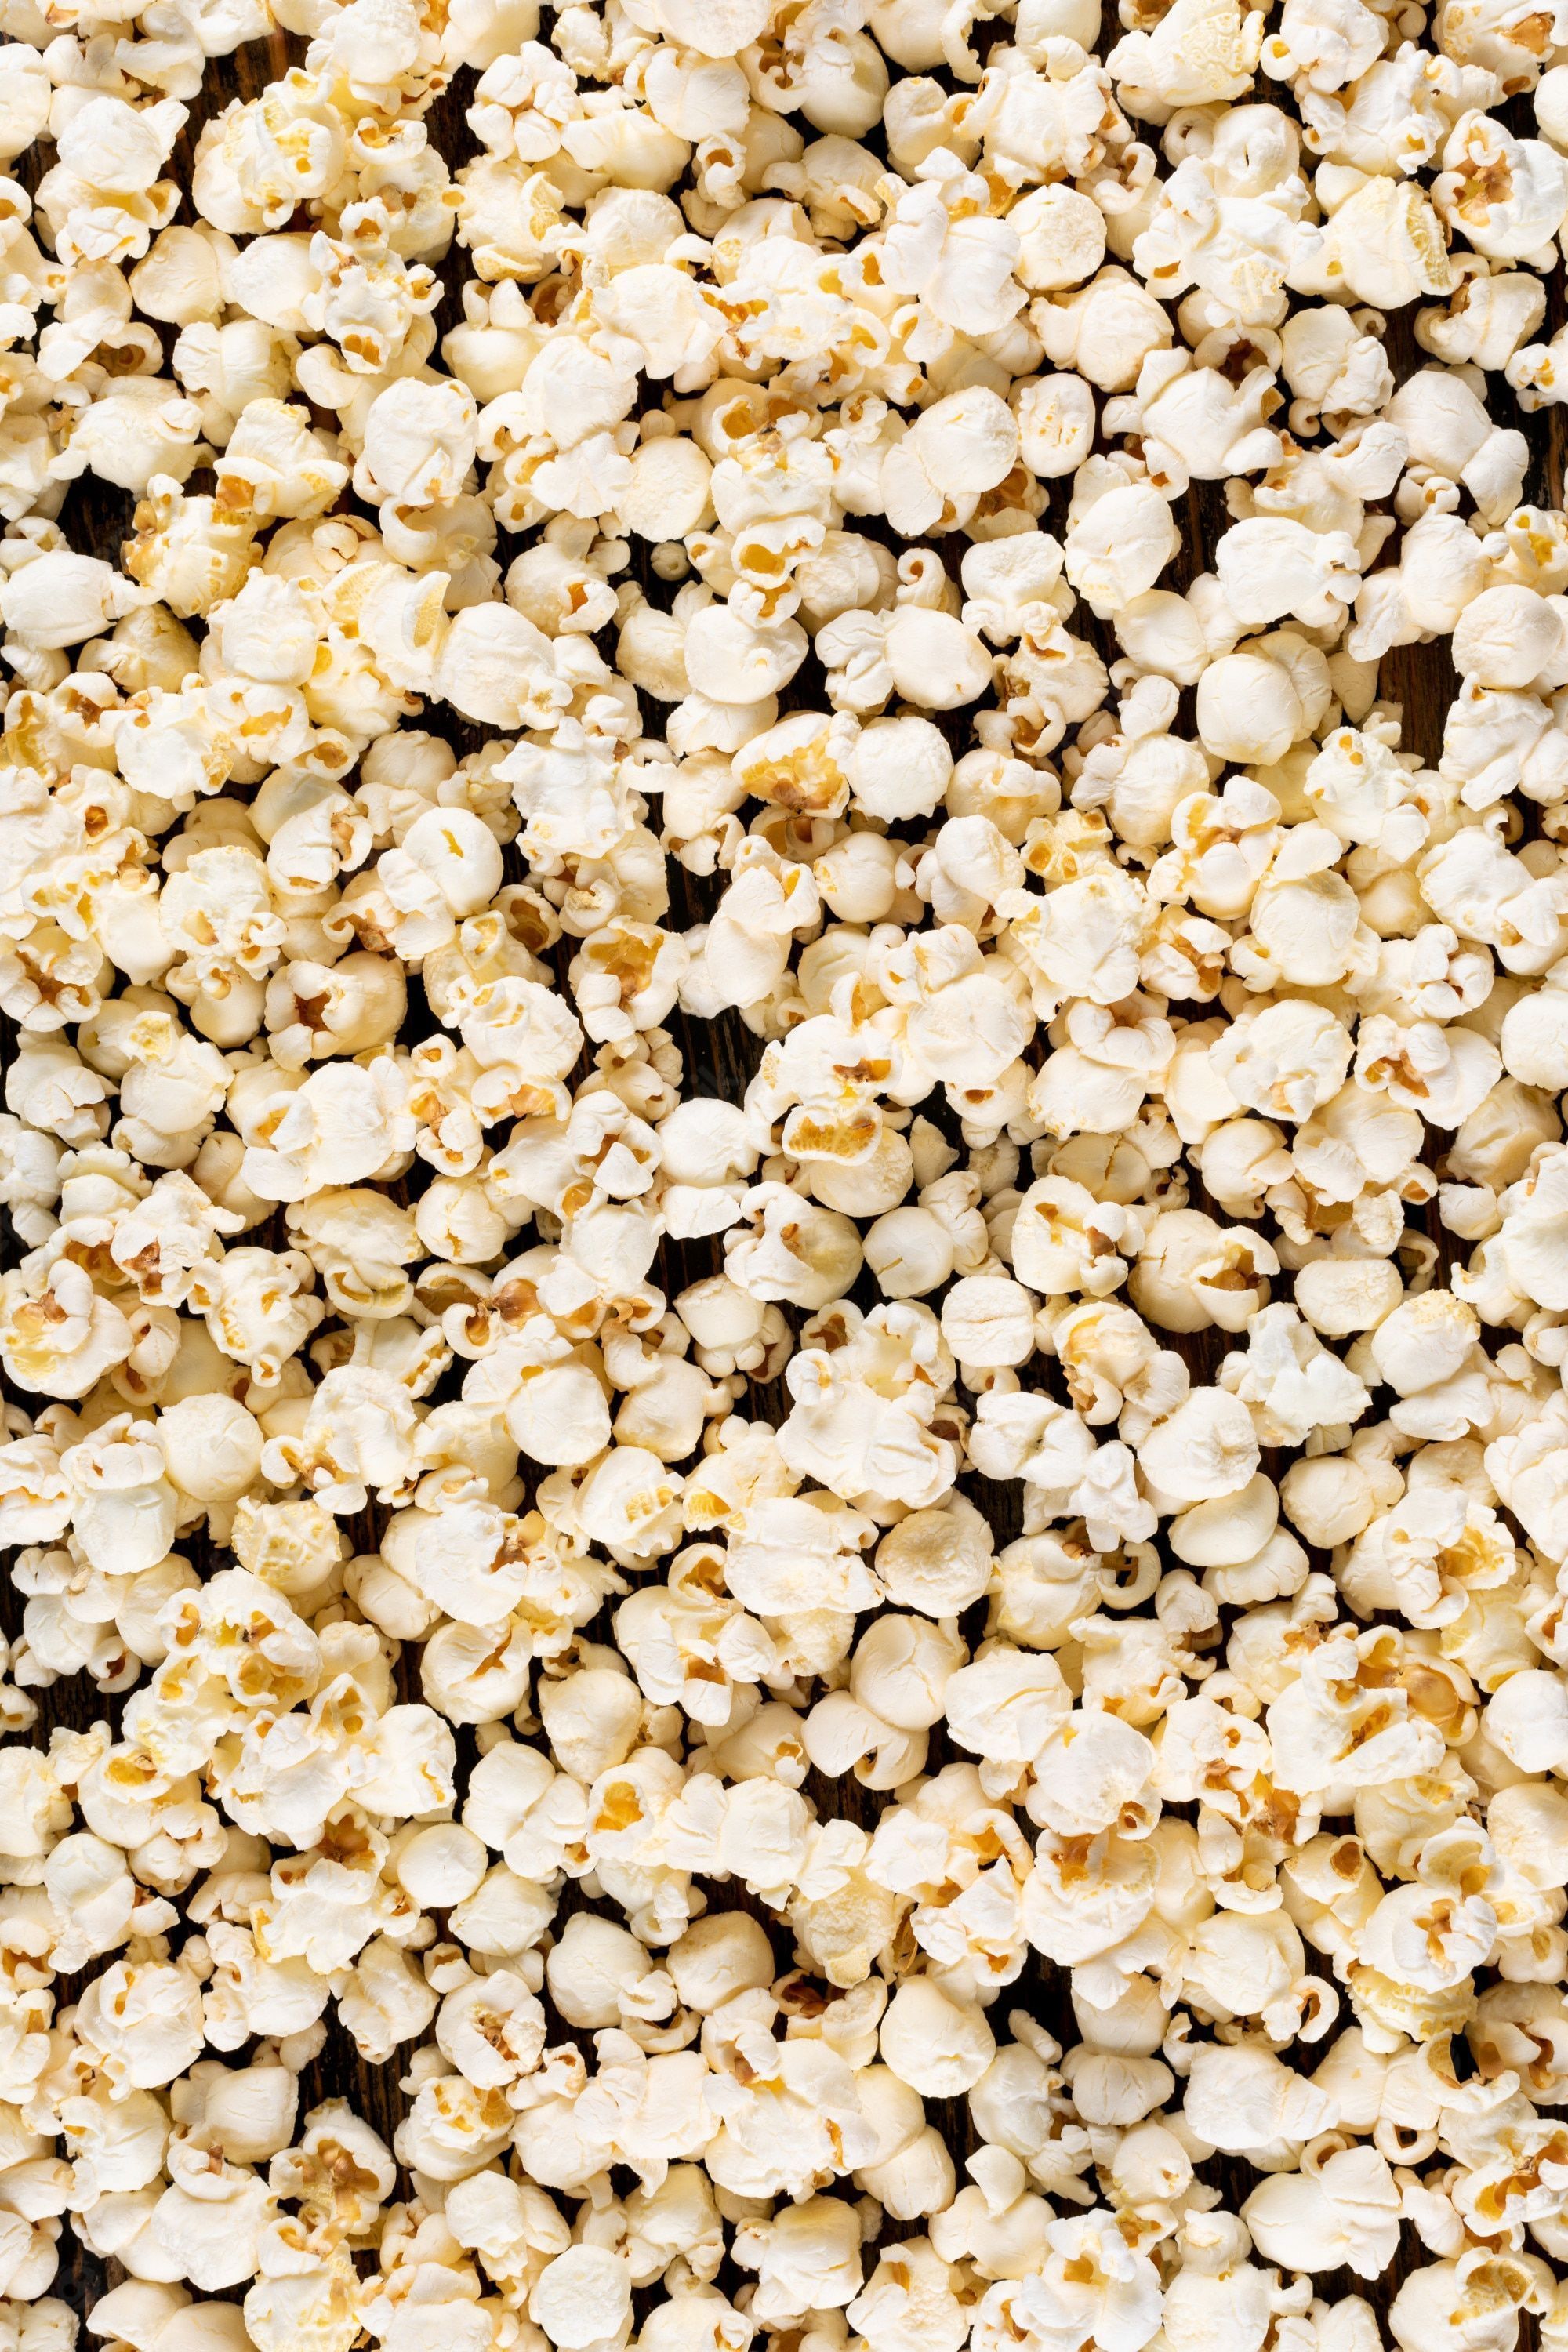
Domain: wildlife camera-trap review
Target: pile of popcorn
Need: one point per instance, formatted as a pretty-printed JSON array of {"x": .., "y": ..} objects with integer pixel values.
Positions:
[{"x": 791, "y": 522}]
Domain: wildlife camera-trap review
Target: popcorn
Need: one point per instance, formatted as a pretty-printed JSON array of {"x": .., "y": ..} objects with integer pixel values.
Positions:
[
  {"x": 60, "y": 598},
  {"x": 1119, "y": 547},
  {"x": 369, "y": 1149},
  {"x": 582, "y": 2298}
]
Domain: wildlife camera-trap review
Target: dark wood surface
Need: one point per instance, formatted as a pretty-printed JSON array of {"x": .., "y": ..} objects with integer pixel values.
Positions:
[{"x": 719, "y": 1059}]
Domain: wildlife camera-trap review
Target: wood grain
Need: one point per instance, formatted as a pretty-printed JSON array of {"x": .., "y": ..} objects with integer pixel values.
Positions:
[{"x": 719, "y": 1059}]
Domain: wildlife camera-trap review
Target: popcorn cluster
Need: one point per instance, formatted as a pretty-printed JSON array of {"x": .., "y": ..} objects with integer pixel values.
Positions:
[{"x": 785, "y": 531}]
